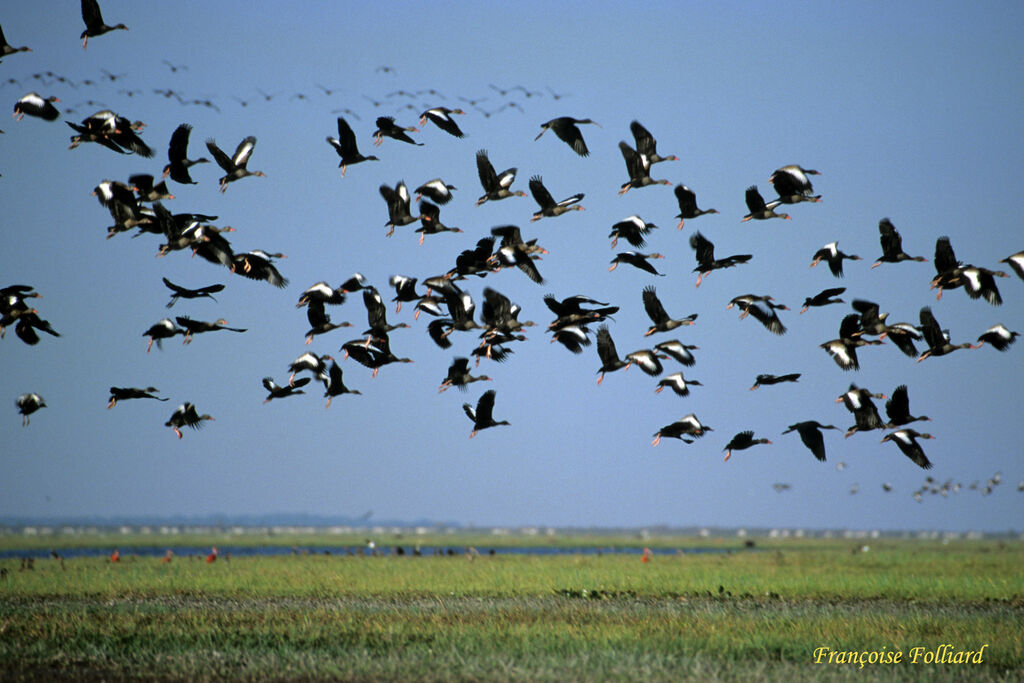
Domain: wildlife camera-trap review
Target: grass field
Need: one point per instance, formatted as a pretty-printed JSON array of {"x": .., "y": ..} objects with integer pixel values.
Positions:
[{"x": 759, "y": 614}]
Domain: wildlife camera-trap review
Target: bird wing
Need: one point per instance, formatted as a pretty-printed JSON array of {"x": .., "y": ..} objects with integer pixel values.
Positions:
[
  {"x": 890, "y": 239},
  {"x": 540, "y": 193},
  {"x": 244, "y": 151},
  {"x": 178, "y": 148},
  {"x": 645, "y": 142},
  {"x": 485, "y": 407},
  {"x": 376, "y": 312},
  {"x": 704, "y": 247},
  {"x": 655, "y": 310},
  {"x": 930, "y": 329},
  {"x": 945, "y": 258},
  {"x": 222, "y": 159},
  {"x": 606, "y": 347},
  {"x": 898, "y": 406},
  {"x": 755, "y": 202},
  {"x": 686, "y": 197},
  {"x": 91, "y": 13}
]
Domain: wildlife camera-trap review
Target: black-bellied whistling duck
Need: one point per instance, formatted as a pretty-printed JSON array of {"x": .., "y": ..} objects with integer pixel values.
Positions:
[
  {"x": 236, "y": 166},
  {"x": 610, "y": 361},
  {"x": 386, "y": 126},
  {"x": 570, "y": 310},
  {"x": 830, "y": 253},
  {"x": 764, "y": 380},
  {"x": 441, "y": 117},
  {"x": 126, "y": 393},
  {"x": 844, "y": 348},
  {"x": 405, "y": 290},
  {"x": 903, "y": 335},
  {"x": 500, "y": 316},
  {"x": 320, "y": 321},
  {"x": 998, "y": 336},
  {"x": 906, "y": 439},
  {"x": 514, "y": 251},
  {"x": 810, "y": 434},
  {"x": 459, "y": 375},
  {"x": 637, "y": 260},
  {"x": 647, "y": 360},
  {"x": 656, "y": 312},
  {"x": 677, "y": 383},
  {"x": 496, "y": 186},
  {"x": 687, "y": 200},
  {"x": 335, "y": 386},
  {"x": 647, "y": 145},
  {"x": 947, "y": 267},
  {"x": 28, "y": 322},
  {"x": 897, "y": 409},
  {"x": 94, "y": 24},
  {"x": 290, "y": 389},
  {"x": 547, "y": 203},
  {"x": 482, "y": 416},
  {"x": 871, "y": 321},
  {"x": 259, "y": 265},
  {"x": 793, "y": 186},
  {"x": 34, "y": 104},
  {"x": 6, "y": 49},
  {"x": 311, "y": 362},
  {"x": 763, "y": 309},
  {"x": 892, "y": 245},
  {"x": 678, "y": 350},
  {"x": 823, "y": 298},
  {"x": 186, "y": 416},
  {"x": 184, "y": 293},
  {"x": 436, "y": 190},
  {"x": 377, "y": 315},
  {"x": 322, "y": 293},
  {"x": 858, "y": 401},
  {"x": 796, "y": 175},
  {"x": 355, "y": 283},
  {"x": 565, "y": 127},
  {"x": 980, "y": 283},
  {"x": 148, "y": 189},
  {"x": 632, "y": 230},
  {"x": 28, "y": 404},
  {"x": 572, "y": 337},
  {"x": 685, "y": 429},
  {"x": 398, "y": 201},
  {"x": 741, "y": 441},
  {"x": 165, "y": 329},
  {"x": 375, "y": 356},
  {"x": 346, "y": 147},
  {"x": 194, "y": 327},
  {"x": 430, "y": 221},
  {"x": 706, "y": 262},
  {"x": 759, "y": 209},
  {"x": 477, "y": 261},
  {"x": 639, "y": 169},
  {"x": 938, "y": 343},
  {"x": 177, "y": 155},
  {"x": 1015, "y": 261},
  {"x": 462, "y": 310}
]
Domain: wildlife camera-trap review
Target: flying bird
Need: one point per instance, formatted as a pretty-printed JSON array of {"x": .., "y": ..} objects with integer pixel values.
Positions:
[
  {"x": 482, "y": 416},
  {"x": 565, "y": 127},
  {"x": 687, "y": 200},
  {"x": 906, "y": 439},
  {"x": 94, "y": 24},
  {"x": 548, "y": 206},
  {"x": 759, "y": 210},
  {"x": 126, "y": 393},
  {"x": 28, "y": 404},
  {"x": 810, "y": 434},
  {"x": 495, "y": 186},
  {"x": 346, "y": 147},
  {"x": 235, "y": 167},
  {"x": 177, "y": 155},
  {"x": 186, "y": 415}
]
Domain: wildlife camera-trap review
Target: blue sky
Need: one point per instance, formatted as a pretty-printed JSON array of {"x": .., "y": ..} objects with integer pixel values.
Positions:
[{"x": 910, "y": 115}]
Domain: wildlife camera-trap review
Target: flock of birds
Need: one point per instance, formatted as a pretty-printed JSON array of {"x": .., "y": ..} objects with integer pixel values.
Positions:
[{"x": 136, "y": 205}]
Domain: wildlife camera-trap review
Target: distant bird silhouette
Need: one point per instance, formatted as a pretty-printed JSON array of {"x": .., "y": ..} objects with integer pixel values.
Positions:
[
  {"x": 235, "y": 167},
  {"x": 565, "y": 127},
  {"x": 177, "y": 154},
  {"x": 126, "y": 393},
  {"x": 687, "y": 200},
  {"x": 28, "y": 404},
  {"x": 482, "y": 416},
  {"x": 94, "y": 24},
  {"x": 346, "y": 147}
]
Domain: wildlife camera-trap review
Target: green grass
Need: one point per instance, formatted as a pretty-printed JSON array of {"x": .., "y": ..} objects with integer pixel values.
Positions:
[{"x": 744, "y": 615}]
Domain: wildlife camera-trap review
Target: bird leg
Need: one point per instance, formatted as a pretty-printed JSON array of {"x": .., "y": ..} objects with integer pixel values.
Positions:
[
  {"x": 727, "y": 456},
  {"x": 657, "y": 440}
]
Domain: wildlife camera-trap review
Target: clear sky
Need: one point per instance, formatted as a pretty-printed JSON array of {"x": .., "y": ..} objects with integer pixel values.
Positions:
[{"x": 910, "y": 112}]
